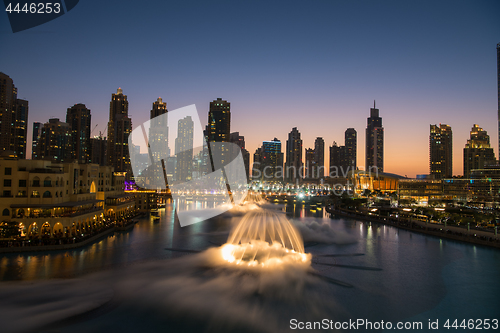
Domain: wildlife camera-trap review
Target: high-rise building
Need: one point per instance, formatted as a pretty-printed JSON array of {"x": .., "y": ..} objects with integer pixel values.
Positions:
[
  {"x": 219, "y": 121},
  {"x": 337, "y": 160},
  {"x": 319, "y": 157},
  {"x": 37, "y": 131},
  {"x": 184, "y": 149},
  {"x": 158, "y": 131},
  {"x": 477, "y": 151},
  {"x": 310, "y": 163},
  {"x": 98, "y": 150},
  {"x": 13, "y": 119},
  {"x": 257, "y": 165},
  {"x": 374, "y": 142},
  {"x": 78, "y": 117},
  {"x": 272, "y": 160},
  {"x": 441, "y": 151},
  {"x": 239, "y": 140},
  {"x": 119, "y": 128},
  {"x": 294, "y": 164},
  {"x": 351, "y": 149},
  {"x": 55, "y": 141}
]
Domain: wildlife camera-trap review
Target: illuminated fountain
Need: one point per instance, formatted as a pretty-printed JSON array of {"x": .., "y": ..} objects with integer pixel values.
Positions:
[{"x": 264, "y": 238}]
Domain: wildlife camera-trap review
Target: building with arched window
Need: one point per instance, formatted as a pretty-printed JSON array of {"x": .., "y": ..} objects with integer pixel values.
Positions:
[{"x": 46, "y": 197}]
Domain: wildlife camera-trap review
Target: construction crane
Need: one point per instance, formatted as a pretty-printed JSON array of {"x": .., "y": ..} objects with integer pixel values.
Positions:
[{"x": 93, "y": 129}]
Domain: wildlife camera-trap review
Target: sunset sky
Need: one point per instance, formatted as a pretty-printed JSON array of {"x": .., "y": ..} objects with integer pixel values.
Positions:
[{"x": 314, "y": 65}]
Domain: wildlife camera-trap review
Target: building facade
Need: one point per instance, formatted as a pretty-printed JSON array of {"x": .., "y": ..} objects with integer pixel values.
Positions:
[
  {"x": 45, "y": 198},
  {"x": 239, "y": 140},
  {"x": 374, "y": 141},
  {"x": 98, "y": 146},
  {"x": 158, "y": 131},
  {"x": 37, "y": 132},
  {"x": 310, "y": 164},
  {"x": 319, "y": 158},
  {"x": 78, "y": 117},
  {"x": 13, "y": 119},
  {"x": 272, "y": 161},
  {"x": 477, "y": 151},
  {"x": 441, "y": 151},
  {"x": 184, "y": 149},
  {"x": 119, "y": 129},
  {"x": 351, "y": 147},
  {"x": 219, "y": 121},
  {"x": 55, "y": 142},
  {"x": 294, "y": 164}
]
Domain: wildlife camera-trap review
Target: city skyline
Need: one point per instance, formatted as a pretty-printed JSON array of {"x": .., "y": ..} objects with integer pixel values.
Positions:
[{"x": 321, "y": 69}]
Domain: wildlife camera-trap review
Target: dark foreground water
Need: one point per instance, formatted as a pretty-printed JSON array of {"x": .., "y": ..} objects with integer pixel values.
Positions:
[{"x": 129, "y": 282}]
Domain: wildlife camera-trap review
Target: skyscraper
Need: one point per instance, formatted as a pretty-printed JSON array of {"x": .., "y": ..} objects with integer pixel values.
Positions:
[
  {"x": 310, "y": 163},
  {"x": 158, "y": 131},
  {"x": 78, "y": 117},
  {"x": 351, "y": 149},
  {"x": 319, "y": 157},
  {"x": 219, "y": 121},
  {"x": 477, "y": 151},
  {"x": 37, "y": 131},
  {"x": 55, "y": 141},
  {"x": 294, "y": 164},
  {"x": 441, "y": 151},
  {"x": 337, "y": 160},
  {"x": 257, "y": 164},
  {"x": 239, "y": 140},
  {"x": 184, "y": 149},
  {"x": 98, "y": 150},
  {"x": 272, "y": 160},
  {"x": 119, "y": 128},
  {"x": 374, "y": 142},
  {"x": 13, "y": 119}
]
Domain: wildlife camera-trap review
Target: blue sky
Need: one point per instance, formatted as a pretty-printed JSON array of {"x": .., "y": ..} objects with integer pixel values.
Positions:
[{"x": 315, "y": 65}]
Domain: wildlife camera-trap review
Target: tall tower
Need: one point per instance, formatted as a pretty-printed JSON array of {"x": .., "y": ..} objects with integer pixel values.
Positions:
[
  {"x": 441, "y": 151},
  {"x": 337, "y": 156},
  {"x": 239, "y": 140},
  {"x": 78, "y": 118},
  {"x": 350, "y": 149},
  {"x": 319, "y": 157},
  {"x": 272, "y": 160},
  {"x": 477, "y": 150},
  {"x": 119, "y": 128},
  {"x": 294, "y": 164},
  {"x": 257, "y": 164},
  {"x": 374, "y": 142},
  {"x": 219, "y": 121},
  {"x": 310, "y": 163},
  {"x": 184, "y": 149},
  {"x": 13, "y": 119},
  {"x": 158, "y": 131},
  {"x": 37, "y": 131}
]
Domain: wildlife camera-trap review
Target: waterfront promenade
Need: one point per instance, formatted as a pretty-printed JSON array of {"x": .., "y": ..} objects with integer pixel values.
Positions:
[
  {"x": 62, "y": 243},
  {"x": 479, "y": 237}
]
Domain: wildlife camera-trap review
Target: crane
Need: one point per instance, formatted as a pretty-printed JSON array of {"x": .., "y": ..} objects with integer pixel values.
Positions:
[{"x": 93, "y": 129}]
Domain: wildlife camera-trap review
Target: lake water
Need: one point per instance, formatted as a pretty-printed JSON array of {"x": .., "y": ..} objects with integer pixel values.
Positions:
[{"x": 129, "y": 282}]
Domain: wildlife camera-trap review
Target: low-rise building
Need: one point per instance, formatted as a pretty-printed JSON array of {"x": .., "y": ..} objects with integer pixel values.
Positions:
[{"x": 50, "y": 198}]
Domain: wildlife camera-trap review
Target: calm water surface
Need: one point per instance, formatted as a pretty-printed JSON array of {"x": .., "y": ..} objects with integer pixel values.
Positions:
[{"x": 421, "y": 277}]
